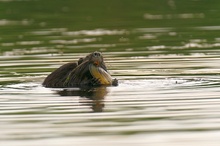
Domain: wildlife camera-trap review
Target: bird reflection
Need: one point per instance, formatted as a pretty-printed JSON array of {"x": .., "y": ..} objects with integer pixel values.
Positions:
[{"x": 95, "y": 95}]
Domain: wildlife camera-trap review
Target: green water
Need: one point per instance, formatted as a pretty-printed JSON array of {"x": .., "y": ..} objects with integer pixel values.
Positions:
[{"x": 164, "y": 53}]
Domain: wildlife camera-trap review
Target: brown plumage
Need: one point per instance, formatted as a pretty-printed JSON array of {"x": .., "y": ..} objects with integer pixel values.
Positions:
[{"x": 77, "y": 74}]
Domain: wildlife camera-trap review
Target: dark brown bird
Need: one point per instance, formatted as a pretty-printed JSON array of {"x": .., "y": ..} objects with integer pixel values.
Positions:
[{"x": 88, "y": 71}]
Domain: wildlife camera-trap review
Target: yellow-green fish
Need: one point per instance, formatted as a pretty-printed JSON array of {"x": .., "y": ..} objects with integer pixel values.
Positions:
[{"x": 99, "y": 73}]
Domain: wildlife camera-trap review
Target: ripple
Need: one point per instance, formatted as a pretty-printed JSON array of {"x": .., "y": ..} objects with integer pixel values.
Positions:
[
  {"x": 6, "y": 22},
  {"x": 96, "y": 32},
  {"x": 167, "y": 65},
  {"x": 174, "y": 16},
  {"x": 165, "y": 29},
  {"x": 50, "y": 31},
  {"x": 75, "y": 41},
  {"x": 140, "y": 106},
  {"x": 208, "y": 28}
]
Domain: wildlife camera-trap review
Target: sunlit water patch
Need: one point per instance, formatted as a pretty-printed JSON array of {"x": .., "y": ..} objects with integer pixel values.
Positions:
[
  {"x": 155, "y": 96},
  {"x": 165, "y": 57},
  {"x": 139, "y": 107}
]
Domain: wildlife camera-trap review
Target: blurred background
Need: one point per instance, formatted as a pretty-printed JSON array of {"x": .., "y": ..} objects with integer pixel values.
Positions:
[{"x": 164, "y": 53}]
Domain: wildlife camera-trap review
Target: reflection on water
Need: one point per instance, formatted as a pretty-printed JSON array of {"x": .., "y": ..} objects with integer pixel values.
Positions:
[
  {"x": 165, "y": 56},
  {"x": 94, "y": 95},
  {"x": 174, "y": 16}
]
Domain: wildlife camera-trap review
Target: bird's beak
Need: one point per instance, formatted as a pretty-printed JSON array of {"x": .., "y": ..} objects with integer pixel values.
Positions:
[{"x": 96, "y": 63}]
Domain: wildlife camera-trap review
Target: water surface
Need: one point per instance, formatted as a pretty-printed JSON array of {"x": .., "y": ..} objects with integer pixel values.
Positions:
[{"x": 166, "y": 58}]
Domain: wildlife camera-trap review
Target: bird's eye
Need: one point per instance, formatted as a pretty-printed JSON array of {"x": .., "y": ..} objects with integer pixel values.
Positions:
[{"x": 96, "y": 54}]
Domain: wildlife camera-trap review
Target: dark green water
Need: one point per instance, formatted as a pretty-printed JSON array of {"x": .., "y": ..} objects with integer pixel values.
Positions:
[{"x": 165, "y": 54}]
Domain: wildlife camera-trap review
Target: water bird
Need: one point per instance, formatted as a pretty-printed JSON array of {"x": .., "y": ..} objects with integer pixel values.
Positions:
[{"x": 88, "y": 71}]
